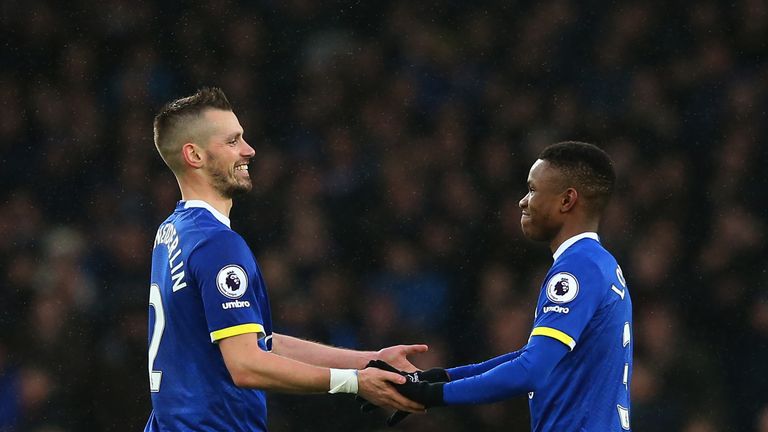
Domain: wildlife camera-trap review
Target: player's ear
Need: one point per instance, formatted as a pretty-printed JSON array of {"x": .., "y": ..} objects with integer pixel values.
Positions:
[
  {"x": 568, "y": 199},
  {"x": 193, "y": 155}
]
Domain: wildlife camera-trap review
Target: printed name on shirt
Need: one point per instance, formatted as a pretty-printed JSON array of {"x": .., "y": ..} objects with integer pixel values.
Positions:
[
  {"x": 620, "y": 276},
  {"x": 168, "y": 236}
]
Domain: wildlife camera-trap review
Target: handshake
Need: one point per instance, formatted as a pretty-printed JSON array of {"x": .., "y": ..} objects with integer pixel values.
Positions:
[{"x": 424, "y": 387}]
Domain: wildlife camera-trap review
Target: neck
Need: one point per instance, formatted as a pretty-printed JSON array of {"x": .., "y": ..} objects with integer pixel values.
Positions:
[
  {"x": 191, "y": 190},
  {"x": 570, "y": 230}
]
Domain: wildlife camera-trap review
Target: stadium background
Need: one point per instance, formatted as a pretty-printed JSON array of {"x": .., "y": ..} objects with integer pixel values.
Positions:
[{"x": 393, "y": 140}]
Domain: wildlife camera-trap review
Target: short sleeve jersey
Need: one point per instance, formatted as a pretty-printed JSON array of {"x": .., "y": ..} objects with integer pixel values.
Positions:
[
  {"x": 205, "y": 286},
  {"x": 585, "y": 304}
]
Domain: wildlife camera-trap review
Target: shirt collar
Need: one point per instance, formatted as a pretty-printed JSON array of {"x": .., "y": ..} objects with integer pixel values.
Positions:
[
  {"x": 568, "y": 243},
  {"x": 202, "y": 204}
]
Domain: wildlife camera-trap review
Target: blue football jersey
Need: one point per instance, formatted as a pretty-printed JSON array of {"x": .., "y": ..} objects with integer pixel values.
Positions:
[
  {"x": 585, "y": 304},
  {"x": 205, "y": 286}
]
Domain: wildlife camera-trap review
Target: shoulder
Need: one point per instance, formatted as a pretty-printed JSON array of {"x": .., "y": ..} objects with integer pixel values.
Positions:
[
  {"x": 221, "y": 238},
  {"x": 586, "y": 264},
  {"x": 587, "y": 256},
  {"x": 222, "y": 252},
  {"x": 212, "y": 239},
  {"x": 206, "y": 227}
]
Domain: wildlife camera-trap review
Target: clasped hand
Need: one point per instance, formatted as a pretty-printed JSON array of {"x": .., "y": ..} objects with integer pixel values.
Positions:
[{"x": 424, "y": 387}]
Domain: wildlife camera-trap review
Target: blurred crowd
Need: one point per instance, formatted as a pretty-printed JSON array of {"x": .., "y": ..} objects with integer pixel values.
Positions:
[{"x": 393, "y": 141}]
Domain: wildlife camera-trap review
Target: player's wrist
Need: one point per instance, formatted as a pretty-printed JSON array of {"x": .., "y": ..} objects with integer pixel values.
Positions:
[
  {"x": 436, "y": 394},
  {"x": 425, "y": 393},
  {"x": 343, "y": 381},
  {"x": 434, "y": 375},
  {"x": 366, "y": 357}
]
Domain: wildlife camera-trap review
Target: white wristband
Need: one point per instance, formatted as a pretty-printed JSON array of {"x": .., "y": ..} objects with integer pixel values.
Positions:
[{"x": 343, "y": 381}]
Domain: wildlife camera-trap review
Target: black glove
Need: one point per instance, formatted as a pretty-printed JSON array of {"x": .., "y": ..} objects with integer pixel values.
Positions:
[
  {"x": 434, "y": 375},
  {"x": 366, "y": 406},
  {"x": 426, "y": 393}
]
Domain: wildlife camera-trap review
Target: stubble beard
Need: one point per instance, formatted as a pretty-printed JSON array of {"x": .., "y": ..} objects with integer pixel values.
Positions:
[{"x": 229, "y": 186}]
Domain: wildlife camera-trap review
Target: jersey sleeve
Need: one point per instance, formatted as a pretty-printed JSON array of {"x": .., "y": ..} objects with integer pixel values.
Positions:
[
  {"x": 570, "y": 298},
  {"x": 469, "y": 370},
  {"x": 525, "y": 372},
  {"x": 226, "y": 273}
]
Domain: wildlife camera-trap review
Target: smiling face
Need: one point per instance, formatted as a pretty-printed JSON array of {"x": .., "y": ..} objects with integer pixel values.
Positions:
[
  {"x": 227, "y": 154},
  {"x": 541, "y": 217}
]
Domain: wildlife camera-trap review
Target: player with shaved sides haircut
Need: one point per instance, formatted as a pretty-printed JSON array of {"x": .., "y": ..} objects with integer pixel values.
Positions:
[{"x": 212, "y": 351}]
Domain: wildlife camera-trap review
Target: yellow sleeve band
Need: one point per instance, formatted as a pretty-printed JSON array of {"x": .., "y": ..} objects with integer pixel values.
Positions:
[
  {"x": 554, "y": 334},
  {"x": 237, "y": 330}
]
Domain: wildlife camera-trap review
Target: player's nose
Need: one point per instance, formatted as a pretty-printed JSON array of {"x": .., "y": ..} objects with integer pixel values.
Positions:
[{"x": 247, "y": 150}]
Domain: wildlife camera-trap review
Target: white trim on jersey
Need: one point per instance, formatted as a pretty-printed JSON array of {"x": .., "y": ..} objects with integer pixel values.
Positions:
[
  {"x": 568, "y": 243},
  {"x": 202, "y": 204}
]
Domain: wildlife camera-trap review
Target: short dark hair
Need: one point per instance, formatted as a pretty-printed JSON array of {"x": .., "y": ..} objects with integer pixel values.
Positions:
[
  {"x": 586, "y": 167},
  {"x": 171, "y": 122}
]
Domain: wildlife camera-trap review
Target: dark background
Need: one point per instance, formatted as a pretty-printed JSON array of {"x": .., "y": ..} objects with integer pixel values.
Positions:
[{"x": 393, "y": 140}]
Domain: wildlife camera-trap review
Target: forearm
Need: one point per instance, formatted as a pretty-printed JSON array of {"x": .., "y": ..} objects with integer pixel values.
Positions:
[
  {"x": 255, "y": 368},
  {"x": 460, "y": 372},
  {"x": 318, "y": 354},
  {"x": 523, "y": 374},
  {"x": 250, "y": 366}
]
